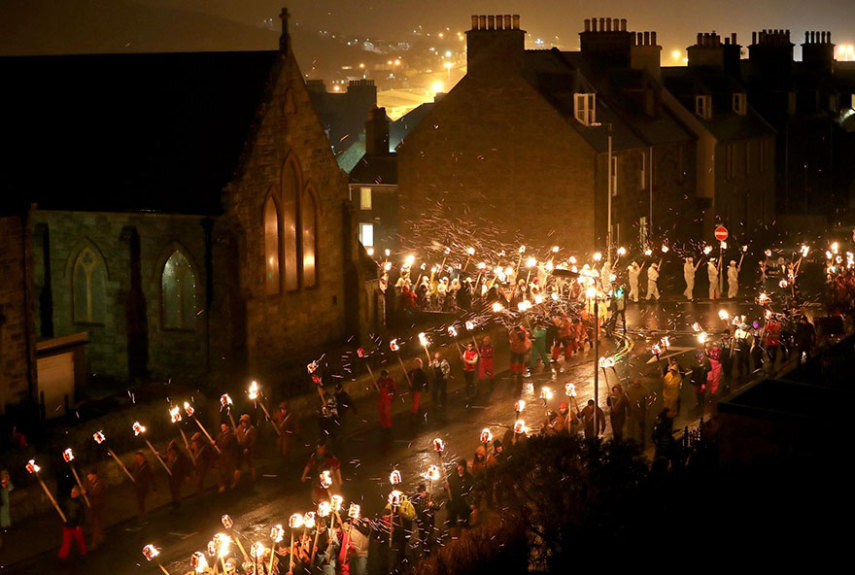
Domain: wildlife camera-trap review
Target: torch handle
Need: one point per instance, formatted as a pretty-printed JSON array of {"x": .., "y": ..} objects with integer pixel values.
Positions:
[
  {"x": 162, "y": 568},
  {"x": 478, "y": 351},
  {"x": 122, "y": 465},
  {"x": 52, "y": 500},
  {"x": 371, "y": 374},
  {"x": 231, "y": 418},
  {"x": 391, "y": 525},
  {"x": 404, "y": 369},
  {"x": 187, "y": 446},
  {"x": 208, "y": 435},
  {"x": 270, "y": 419},
  {"x": 427, "y": 354},
  {"x": 159, "y": 458},
  {"x": 80, "y": 485},
  {"x": 314, "y": 548},
  {"x": 236, "y": 537}
]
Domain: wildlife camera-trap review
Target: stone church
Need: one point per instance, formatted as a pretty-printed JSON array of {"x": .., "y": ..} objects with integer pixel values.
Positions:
[{"x": 168, "y": 217}]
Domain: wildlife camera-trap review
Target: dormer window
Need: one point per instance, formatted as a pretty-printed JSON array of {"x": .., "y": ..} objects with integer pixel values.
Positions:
[
  {"x": 703, "y": 106},
  {"x": 740, "y": 103},
  {"x": 585, "y": 108}
]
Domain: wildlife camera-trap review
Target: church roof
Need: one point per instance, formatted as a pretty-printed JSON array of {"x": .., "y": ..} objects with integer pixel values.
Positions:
[{"x": 127, "y": 132}]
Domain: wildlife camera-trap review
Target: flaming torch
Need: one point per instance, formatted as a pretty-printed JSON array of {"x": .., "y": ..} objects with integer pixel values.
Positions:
[
  {"x": 439, "y": 447},
  {"x": 395, "y": 498},
  {"x": 277, "y": 534},
  {"x": 423, "y": 339},
  {"x": 150, "y": 552},
  {"x": 140, "y": 430},
  {"x": 34, "y": 469},
  {"x": 294, "y": 522},
  {"x": 324, "y": 510},
  {"x": 254, "y": 393},
  {"x": 226, "y": 403},
  {"x": 198, "y": 562},
  {"x": 229, "y": 524},
  {"x": 570, "y": 391},
  {"x": 336, "y": 504},
  {"x": 68, "y": 456},
  {"x": 191, "y": 413},
  {"x": 486, "y": 436},
  {"x": 99, "y": 438},
  {"x": 175, "y": 417},
  {"x": 656, "y": 350},
  {"x": 257, "y": 551},
  {"x": 519, "y": 407},
  {"x": 469, "y": 253},
  {"x": 433, "y": 474},
  {"x": 221, "y": 544}
]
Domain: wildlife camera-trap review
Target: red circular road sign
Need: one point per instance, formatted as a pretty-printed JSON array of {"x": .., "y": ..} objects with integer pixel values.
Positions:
[{"x": 721, "y": 233}]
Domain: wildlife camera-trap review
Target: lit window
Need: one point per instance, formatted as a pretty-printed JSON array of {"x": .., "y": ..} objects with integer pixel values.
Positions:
[
  {"x": 271, "y": 247},
  {"x": 178, "y": 292},
  {"x": 291, "y": 186},
  {"x": 89, "y": 287},
  {"x": 585, "y": 108},
  {"x": 364, "y": 198},
  {"x": 309, "y": 219},
  {"x": 740, "y": 104},
  {"x": 703, "y": 106},
  {"x": 366, "y": 235}
]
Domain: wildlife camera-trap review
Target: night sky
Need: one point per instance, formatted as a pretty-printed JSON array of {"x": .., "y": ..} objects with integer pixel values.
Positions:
[{"x": 48, "y": 26}]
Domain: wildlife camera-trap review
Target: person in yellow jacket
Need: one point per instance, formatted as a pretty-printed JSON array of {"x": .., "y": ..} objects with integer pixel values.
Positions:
[{"x": 671, "y": 383}]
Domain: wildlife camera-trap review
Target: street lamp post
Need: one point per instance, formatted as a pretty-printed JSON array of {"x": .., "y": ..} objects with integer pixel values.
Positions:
[
  {"x": 609, "y": 217},
  {"x": 592, "y": 294}
]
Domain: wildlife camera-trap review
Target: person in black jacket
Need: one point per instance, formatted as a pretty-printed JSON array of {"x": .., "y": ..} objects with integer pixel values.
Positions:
[
  {"x": 460, "y": 507},
  {"x": 75, "y": 512},
  {"x": 419, "y": 383}
]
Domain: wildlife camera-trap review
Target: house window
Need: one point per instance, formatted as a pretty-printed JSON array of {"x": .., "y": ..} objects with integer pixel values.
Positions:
[
  {"x": 291, "y": 186},
  {"x": 614, "y": 176},
  {"x": 271, "y": 247},
  {"x": 585, "y": 108},
  {"x": 178, "y": 293},
  {"x": 740, "y": 103},
  {"x": 364, "y": 198},
  {"x": 89, "y": 287},
  {"x": 366, "y": 235},
  {"x": 309, "y": 219},
  {"x": 703, "y": 106}
]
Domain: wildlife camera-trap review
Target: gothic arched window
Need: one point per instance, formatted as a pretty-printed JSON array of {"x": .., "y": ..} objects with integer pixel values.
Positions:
[
  {"x": 272, "y": 280},
  {"x": 291, "y": 186},
  {"x": 89, "y": 287},
  {"x": 309, "y": 219},
  {"x": 178, "y": 292}
]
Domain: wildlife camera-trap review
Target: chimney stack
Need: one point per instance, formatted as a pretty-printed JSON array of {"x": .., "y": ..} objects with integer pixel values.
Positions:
[
  {"x": 377, "y": 132},
  {"x": 495, "y": 44}
]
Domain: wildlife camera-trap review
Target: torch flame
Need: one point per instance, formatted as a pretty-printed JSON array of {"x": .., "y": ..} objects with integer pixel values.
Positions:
[
  {"x": 598, "y": 256},
  {"x": 546, "y": 394},
  {"x": 438, "y": 445},
  {"x": 257, "y": 550},
  {"x": 32, "y": 467},
  {"x": 353, "y": 511},
  {"x": 519, "y": 426},
  {"x": 497, "y": 307},
  {"x": 336, "y": 501},
  {"x": 225, "y": 400},
  {"x": 486, "y": 436},
  {"x": 277, "y": 533},
  {"x": 570, "y": 390},
  {"x": 150, "y": 552},
  {"x": 470, "y": 251},
  {"x": 175, "y": 414},
  {"x": 395, "y": 498},
  {"x": 433, "y": 473},
  {"x": 227, "y": 522},
  {"x": 326, "y": 479},
  {"x": 452, "y": 331},
  {"x": 295, "y": 521},
  {"x": 309, "y": 520},
  {"x": 531, "y": 262},
  {"x": 519, "y": 406},
  {"x": 324, "y": 509},
  {"x": 423, "y": 339},
  {"x": 68, "y": 456},
  {"x": 409, "y": 260},
  {"x": 723, "y": 315},
  {"x": 188, "y": 409},
  {"x": 470, "y": 325},
  {"x": 138, "y": 428},
  {"x": 198, "y": 562},
  {"x": 395, "y": 477},
  {"x": 393, "y": 345},
  {"x": 99, "y": 437},
  {"x": 621, "y": 251}
]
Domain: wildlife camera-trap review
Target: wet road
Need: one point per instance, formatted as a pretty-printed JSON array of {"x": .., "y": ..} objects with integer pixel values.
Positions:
[{"x": 366, "y": 463}]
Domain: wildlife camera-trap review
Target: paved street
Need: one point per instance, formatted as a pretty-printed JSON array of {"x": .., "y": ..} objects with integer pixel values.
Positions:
[{"x": 366, "y": 465}]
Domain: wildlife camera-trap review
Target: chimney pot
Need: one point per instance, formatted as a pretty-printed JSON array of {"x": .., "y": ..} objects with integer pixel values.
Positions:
[
  {"x": 700, "y": 38},
  {"x": 647, "y": 38},
  {"x": 491, "y": 22},
  {"x": 507, "y": 21},
  {"x": 516, "y": 19},
  {"x": 727, "y": 41},
  {"x": 474, "y": 22},
  {"x": 754, "y": 37},
  {"x": 608, "y": 24},
  {"x": 623, "y": 24},
  {"x": 828, "y": 37},
  {"x": 482, "y": 22},
  {"x": 653, "y": 39},
  {"x": 602, "y": 24},
  {"x": 733, "y": 38},
  {"x": 587, "y": 24}
]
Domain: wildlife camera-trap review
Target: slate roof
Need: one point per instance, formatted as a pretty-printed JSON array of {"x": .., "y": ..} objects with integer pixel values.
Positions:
[
  {"x": 129, "y": 132},
  {"x": 558, "y": 75},
  {"x": 687, "y": 82},
  {"x": 375, "y": 169}
]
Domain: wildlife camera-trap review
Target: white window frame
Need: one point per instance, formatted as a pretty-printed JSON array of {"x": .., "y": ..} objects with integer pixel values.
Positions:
[
  {"x": 703, "y": 106},
  {"x": 613, "y": 174},
  {"x": 585, "y": 109},
  {"x": 740, "y": 103}
]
